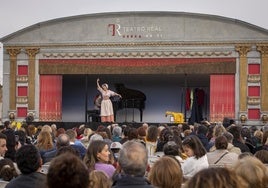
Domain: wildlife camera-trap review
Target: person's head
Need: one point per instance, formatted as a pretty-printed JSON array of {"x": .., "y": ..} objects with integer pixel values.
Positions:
[
  {"x": 117, "y": 131},
  {"x": 216, "y": 177},
  {"x": 221, "y": 142},
  {"x": 258, "y": 134},
  {"x": 3, "y": 144},
  {"x": 262, "y": 155},
  {"x": 235, "y": 131},
  {"x": 67, "y": 149},
  {"x": 99, "y": 179},
  {"x": 133, "y": 158},
  {"x": 7, "y": 124},
  {"x": 166, "y": 172},
  {"x": 265, "y": 138},
  {"x": 97, "y": 151},
  {"x": 7, "y": 169},
  {"x": 245, "y": 133},
  {"x": 31, "y": 130},
  {"x": 46, "y": 128},
  {"x": 192, "y": 146},
  {"x": 152, "y": 133},
  {"x": 253, "y": 171},
  {"x": 60, "y": 131},
  {"x": 44, "y": 140},
  {"x": 171, "y": 148},
  {"x": 202, "y": 129},
  {"x": 62, "y": 140},
  {"x": 228, "y": 136},
  {"x": 218, "y": 130},
  {"x": 28, "y": 159},
  {"x": 72, "y": 134},
  {"x": 10, "y": 144},
  {"x": 245, "y": 154},
  {"x": 141, "y": 133},
  {"x": 69, "y": 171},
  {"x": 105, "y": 86},
  {"x": 132, "y": 134}
]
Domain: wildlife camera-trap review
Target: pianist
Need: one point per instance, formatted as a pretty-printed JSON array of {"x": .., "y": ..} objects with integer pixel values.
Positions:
[{"x": 106, "y": 109}]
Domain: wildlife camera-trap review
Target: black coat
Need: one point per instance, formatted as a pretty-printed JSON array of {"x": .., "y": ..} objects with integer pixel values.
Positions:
[{"x": 128, "y": 181}]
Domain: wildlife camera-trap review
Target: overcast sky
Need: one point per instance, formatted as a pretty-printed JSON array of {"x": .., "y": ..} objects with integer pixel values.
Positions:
[{"x": 18, "y": 14}]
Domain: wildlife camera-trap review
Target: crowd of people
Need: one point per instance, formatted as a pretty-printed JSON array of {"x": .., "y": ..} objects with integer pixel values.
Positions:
[{"x": 188, "y": 156}]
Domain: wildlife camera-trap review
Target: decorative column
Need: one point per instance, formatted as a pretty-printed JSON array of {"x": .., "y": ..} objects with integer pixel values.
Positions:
[
  {"x": 264, "y": 77},
  {"x": 13, "y": 52},
  {"x": 243, "y": 50},
  {"x": 31, "y": 52}
]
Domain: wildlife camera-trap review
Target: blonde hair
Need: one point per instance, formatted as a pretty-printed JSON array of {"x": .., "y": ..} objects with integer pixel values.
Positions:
[
  {"x": 258, "y": 134},
  {"x": 166, "y": 172},
  {"x": 44, "y": 141},
  {"x": 218, "y": 130},
  {"x": 99, "y": 179},
  {"x": 253, "y": 171}
]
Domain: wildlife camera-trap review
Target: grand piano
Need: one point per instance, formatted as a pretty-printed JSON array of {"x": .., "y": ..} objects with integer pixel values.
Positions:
[{"x": 131, "y": 98}]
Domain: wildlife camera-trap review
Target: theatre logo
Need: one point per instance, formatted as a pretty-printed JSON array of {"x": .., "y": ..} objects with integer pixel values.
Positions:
[{"x": 130, "y": 32}]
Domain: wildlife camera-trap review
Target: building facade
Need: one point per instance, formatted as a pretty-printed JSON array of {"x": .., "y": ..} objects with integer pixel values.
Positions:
[{"x": 232, "y": 54}]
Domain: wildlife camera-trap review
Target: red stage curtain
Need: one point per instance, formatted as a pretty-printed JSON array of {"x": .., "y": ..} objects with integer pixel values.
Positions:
[
  {"x": 222, "y": 97},
  {"x": 50, "y": 108}
]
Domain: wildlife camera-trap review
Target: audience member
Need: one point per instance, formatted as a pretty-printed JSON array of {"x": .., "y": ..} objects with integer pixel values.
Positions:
[
  {"x": 142, "y": 133},
  {"x": 7, "y": 170},
  {"x": 253, "y": 171},
  {"x": 85, "y": 136},
  {"x": 172, "y": 149},
  {"x": 61, "y": 141},
  {"x": 246, "y": 135},
  {"x": 76, "y": 143},
  {"x": 68, "y": 171},
  {"x": 133, "y": 159},
  {"x": 257, "y": 137},
  {"x": 197, "y": 158},
  {"x": 231, "y": 147},
  {"x": 45, "y": 142},
  {"x": 117, "y": 133},
  {"x": 166, "y": 172},
  {"x": 98, "y": 179},
  {"x": 221, "y": 156},
  {"x": 3, "y": 145},
  {"x": 245, "y": 154},
  {"x": 238, "y": 140},
  {"x": 151, "y": 139},
  {"x": 218, "y": 130},
  {"x": 10, "y": 144},
  {"x": 125, "y": 134},
  {"x": 262, "y": 155},
  {"x": 29, "y": 162},
  {"x": 201, "y": 133},
  {"x": 98, "y": 158},
  {"x": 216, "y": 177},
  {"x": 265, "y": 140}
]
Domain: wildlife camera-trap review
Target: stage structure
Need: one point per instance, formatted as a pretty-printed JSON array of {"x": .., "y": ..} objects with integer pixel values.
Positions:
[{"x": 234, "y": 55}]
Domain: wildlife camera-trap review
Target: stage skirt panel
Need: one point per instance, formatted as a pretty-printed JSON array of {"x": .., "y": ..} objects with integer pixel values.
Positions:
[{"x": 106, "y": 108}]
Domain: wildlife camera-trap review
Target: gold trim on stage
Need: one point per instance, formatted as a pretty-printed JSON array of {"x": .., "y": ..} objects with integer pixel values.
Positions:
[
  {"x": 13, "y": 53},
  {"x": 31, "y": 52},
  {"x": 243, "y": 67},
  {"x": 264, "y": 76}
]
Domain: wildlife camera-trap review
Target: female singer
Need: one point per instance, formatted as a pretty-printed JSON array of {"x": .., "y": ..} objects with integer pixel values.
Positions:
[{"x": 106, "y": 110}]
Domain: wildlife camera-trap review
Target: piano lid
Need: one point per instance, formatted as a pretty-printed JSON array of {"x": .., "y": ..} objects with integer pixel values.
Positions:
[{"x": 127, "y": 93}]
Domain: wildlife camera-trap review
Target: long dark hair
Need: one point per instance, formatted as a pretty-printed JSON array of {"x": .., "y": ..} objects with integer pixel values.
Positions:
[
  {"x": 195, "y": 144},
  {"x": 94, "y": 148}
]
